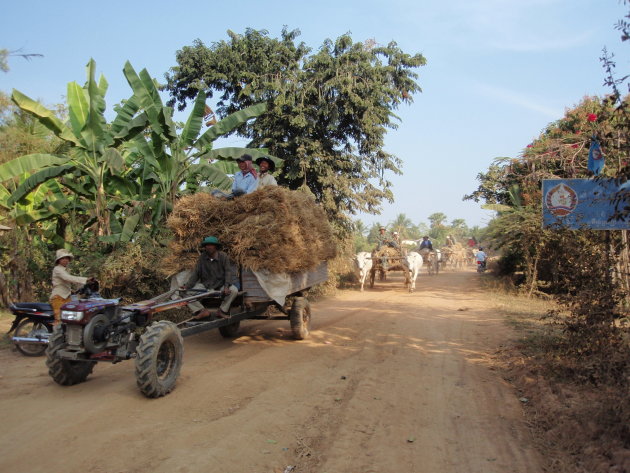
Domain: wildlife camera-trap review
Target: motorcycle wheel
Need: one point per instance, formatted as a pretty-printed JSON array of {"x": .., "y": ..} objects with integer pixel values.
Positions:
[
  {"x": 29, "y": 328},
  {"x": 65, "y": 372}
]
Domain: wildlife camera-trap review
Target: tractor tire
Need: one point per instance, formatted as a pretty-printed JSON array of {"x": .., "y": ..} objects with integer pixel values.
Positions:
[
  {"x": 65, "y": 372},
  {"x": 230, "y": 331},
  {"x": 300, "y": 318},
  {"x": 26, "y": 328},
  {"x": 159, "y": 359}
]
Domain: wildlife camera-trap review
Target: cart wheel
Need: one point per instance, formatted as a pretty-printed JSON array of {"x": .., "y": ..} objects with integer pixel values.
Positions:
[
  {"x": 300, "y": 318},
  {"x": 230, "y": 331},
  {"x": 31, "y": 329},
  {"x": 159, "y": 359},
  {"x": 65, "y": 372}
]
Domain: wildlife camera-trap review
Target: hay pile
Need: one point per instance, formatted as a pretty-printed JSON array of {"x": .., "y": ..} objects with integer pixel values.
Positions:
[
  {"x": 273, "y": 228},
  {"x": 386, "y": 251}
]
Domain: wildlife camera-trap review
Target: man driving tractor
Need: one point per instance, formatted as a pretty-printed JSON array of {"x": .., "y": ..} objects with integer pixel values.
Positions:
[{"x": 214, "y": 271}]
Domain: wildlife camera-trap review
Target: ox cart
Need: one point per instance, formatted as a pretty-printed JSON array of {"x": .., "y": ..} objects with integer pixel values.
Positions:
[
  {"x": 102, "y": 330},
  {"x": 384, "y": 260}
]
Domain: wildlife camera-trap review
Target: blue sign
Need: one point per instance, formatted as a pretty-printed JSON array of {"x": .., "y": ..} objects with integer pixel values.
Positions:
[{"x": 580, "y": 203}]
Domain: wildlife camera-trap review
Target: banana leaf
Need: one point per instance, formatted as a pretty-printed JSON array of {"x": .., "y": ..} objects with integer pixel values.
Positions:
[
  {"x": 46, "y": 117},
  {"x": 4, "y": 196},
  {"x": 52, "y": 209},
  {"x": 27, "y": 163},
  {"x": 94, "y": 131},
  {"x": 129, "y": 228},
  {"x": 212, "y": 175},
  {"x": 193, "y": 124},
  {"x": 145, "y": 96},
  {"x": 114, "y": 160},
  {"x": 229, "y": 123},
  {"x": 78, "y": 107},
  {"x": 36, "y": 179}
]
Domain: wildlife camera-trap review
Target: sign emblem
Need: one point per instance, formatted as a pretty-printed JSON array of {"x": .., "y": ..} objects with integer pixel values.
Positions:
[{"x": 561, "y": 200}]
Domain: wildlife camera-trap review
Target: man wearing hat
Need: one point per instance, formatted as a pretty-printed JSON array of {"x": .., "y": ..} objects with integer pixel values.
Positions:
[
  {"x": 384, "y": 240},
  {"x": 266, "y": 166},
  {"x": 62, "y": 282},
  {"x": 246, "y": 180},
  {"x": 214, "y": 271}
]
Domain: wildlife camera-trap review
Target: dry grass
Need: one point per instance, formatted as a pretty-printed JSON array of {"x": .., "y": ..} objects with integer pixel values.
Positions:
[
  {"x": 578, "y": 426},
  {"x": 274, "y": 228}
]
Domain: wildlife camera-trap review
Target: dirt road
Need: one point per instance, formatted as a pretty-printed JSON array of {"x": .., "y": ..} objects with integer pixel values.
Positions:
[{"x": 388, "y": 382}]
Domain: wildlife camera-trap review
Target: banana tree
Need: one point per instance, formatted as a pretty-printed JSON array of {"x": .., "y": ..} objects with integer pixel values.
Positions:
[
  {"x": 181, "y": 162},
  {"x": 92, "y": 158}
]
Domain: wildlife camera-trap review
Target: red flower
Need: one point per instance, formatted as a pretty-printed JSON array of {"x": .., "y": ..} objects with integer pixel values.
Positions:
[
  {"x": 591, "y": 117},
  {"x": 574, "y": 146},
  {"x": 529, "y": 146}
]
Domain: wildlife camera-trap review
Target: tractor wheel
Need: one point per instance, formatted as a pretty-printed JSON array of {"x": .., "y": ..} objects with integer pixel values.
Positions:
[
  {"x": 159, "y": 359},
  {"x": 230, "y": 331},
  {"x": 31, "y": 329},
  {"x": 300, "y": 318},
  {"x": 65, "y": 372}
]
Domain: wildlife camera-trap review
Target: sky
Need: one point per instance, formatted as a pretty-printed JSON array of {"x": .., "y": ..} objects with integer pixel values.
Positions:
[{"x": 497, "y": 73}]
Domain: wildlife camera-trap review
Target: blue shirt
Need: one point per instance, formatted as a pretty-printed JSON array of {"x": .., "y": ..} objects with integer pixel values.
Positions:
[{"x": 246, "y": 183}]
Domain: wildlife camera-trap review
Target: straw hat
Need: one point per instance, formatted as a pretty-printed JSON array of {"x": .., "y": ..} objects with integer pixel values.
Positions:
[{"x": 62, "y": 253}]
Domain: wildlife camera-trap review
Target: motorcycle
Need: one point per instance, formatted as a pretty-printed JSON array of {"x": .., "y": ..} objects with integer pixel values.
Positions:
[
  {"x": 31, "y": 327},
  {"x": 33, "y": 322},
  {"x": 481, "y": 266}
]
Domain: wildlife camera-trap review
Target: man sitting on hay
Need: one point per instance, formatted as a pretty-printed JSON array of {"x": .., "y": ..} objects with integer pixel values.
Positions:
[{"x": 214, "y": 271}]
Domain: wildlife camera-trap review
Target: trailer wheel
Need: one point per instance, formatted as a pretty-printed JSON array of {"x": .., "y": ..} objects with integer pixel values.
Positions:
[
  {"x": 230, "y": 331},
  {"x": 65, "y": 372},
  {"x": 30, "y": 329},
  {"x": 159, "y": 359},
  {"x": 300, "y": 318}
]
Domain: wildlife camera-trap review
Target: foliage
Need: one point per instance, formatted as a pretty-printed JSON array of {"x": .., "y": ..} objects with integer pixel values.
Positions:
[
  {"x": 5, "y": 53},
  {"x": 328, "y": 111}
]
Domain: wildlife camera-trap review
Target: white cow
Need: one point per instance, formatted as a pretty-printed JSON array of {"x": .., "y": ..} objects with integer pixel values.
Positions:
[
  {"x": 363, "y": 263},
  {"x": 413, "y": 264}
]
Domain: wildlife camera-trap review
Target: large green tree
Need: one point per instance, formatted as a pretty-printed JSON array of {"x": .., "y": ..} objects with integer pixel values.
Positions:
[{"x": 328, "y": 111}]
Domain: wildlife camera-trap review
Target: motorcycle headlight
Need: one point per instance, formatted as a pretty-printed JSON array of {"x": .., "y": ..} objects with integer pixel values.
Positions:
[{"x": 71, "y": 315}]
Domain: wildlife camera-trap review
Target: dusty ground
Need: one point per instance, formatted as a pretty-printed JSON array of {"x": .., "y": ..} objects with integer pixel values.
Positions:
[{"x": 388, "y": 382}]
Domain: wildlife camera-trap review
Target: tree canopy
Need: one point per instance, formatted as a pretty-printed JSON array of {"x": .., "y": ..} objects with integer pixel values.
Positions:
[{"x": 328, "y": 112}]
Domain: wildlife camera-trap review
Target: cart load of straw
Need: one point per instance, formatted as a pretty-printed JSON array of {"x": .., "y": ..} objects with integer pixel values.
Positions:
[
  {"x": 273, "y": 229},
  {"x": 390, "y": 256}
]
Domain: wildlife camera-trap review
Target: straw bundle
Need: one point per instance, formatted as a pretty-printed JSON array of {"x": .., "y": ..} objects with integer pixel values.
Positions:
[{"x": 273, "y": 228}]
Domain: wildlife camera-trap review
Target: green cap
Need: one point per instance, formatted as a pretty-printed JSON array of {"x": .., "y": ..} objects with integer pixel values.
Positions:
[{"x": 211, "y": 240}]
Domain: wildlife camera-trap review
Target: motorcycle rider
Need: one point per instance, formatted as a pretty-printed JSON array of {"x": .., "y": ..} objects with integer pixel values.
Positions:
[
  {"x": 62, "y": 282},
  {"x": 481, "y": 256}
]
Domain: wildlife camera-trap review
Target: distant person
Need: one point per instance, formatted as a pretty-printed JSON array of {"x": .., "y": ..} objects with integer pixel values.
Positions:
[
  {"x": 246, "y": 180},
  {"x": 481, "y": 257},
  {"x": 266, "y": 167},
  {"x": 384, "y": 240},
  {"x": 450, "y": 241},
  {"x": 425, "y": 244}
]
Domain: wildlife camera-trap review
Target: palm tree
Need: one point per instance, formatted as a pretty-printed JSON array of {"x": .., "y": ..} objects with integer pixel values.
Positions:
[{"x": 402, "y": 225}]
